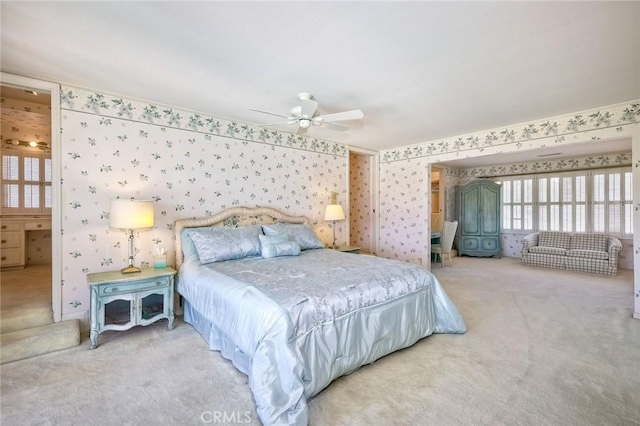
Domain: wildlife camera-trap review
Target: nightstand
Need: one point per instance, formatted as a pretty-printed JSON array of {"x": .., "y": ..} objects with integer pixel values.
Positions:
[
  {"x": 349, "y": 249},
  {"x": 121, "y": 301}
]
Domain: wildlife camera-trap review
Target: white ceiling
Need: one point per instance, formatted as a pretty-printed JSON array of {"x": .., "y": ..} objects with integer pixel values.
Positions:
[{"x": 418, "y": 70}]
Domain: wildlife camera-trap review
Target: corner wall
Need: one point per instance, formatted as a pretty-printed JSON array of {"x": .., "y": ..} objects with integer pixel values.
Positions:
[
  {"x": 606, "y": 123},
  {"x": 190, "y": 164}
]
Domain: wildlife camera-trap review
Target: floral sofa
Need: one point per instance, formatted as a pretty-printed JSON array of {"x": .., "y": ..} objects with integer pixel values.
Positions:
[{"x": 578, "y": 252}]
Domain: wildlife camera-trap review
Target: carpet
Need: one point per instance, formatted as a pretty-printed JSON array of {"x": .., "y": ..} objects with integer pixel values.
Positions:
[{"x": 543, "y": 347}]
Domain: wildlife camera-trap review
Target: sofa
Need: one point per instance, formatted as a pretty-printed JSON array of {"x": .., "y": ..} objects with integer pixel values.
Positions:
[{"x": 577, "y": 252}]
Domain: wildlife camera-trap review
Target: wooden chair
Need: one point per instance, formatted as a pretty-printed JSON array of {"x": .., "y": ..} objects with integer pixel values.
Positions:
[{"x": 446, "y": 242}]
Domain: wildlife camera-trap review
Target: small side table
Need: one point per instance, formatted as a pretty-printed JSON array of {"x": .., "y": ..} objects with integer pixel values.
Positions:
[
  {"x": 121, "y": 301},
  {"x": 349, "y": 249}
]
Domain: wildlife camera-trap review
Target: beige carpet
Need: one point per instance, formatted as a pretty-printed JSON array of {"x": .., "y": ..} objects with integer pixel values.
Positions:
[
  {"x": 25, "y": 298},
  {"x": 543, "y": 347}
]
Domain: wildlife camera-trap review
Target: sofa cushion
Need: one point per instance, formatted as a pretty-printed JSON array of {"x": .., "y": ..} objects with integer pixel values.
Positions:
[
  {"x": 555, "y": 239},
  {"x": 588, "y": 254},
  {"x": 548, "y": 250},
  {"x": 597, "y": 242}
]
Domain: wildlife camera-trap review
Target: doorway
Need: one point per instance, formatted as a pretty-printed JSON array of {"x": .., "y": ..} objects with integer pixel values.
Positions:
[
  {"x": 362, "y": 200},
  {"x": 31, "y": 273},
  {"x": 438, "y": 200}
]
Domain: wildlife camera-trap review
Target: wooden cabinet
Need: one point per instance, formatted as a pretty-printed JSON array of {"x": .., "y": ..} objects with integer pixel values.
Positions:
[
  {"x": 479, "y": 223},
  {"x": 12, "y": 243},
  {"x": 13, "y": 237}
]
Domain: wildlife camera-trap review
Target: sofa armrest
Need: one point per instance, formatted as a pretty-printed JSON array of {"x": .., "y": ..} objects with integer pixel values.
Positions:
[
  {"x": 613, "y": 247},
  {"x": 530, "y": 240}
]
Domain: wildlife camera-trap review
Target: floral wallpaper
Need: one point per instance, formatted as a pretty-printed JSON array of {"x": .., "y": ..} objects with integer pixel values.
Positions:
[
  {"x": 405, "y": 211},
  {"x": 359, "y": 201},
  {"x": 189, "y": 164},
  {"x": 547, "y": 166},
  {"x": 451, "y": 181},
  {"x": 38, "y": 247}
]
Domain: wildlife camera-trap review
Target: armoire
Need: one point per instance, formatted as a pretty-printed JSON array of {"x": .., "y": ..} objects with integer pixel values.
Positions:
[{"x": 479, "y": 206}]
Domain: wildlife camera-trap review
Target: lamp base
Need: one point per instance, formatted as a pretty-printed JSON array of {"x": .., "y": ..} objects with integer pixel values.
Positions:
[{"x": 130, "y": 270}]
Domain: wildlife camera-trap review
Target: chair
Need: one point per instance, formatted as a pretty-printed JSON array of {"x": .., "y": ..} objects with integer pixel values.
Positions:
[{"x": 446, "y": 241}]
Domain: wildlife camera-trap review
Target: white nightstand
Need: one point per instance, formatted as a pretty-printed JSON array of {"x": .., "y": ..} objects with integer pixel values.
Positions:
[{"x": 121, "y": 301}]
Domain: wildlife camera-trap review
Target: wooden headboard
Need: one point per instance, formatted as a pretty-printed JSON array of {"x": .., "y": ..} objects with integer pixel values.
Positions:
[{"x": 252, "y": 215}]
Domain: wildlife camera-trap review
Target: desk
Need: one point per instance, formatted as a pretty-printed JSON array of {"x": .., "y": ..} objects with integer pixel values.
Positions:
[{"x": 14, "y": 238}]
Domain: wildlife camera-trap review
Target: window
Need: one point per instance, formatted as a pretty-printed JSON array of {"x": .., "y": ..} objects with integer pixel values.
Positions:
[
  {"x": 586, "y": 201},
  {"x": 26, "y": 182},
  {"x": 517, "y": 204}
]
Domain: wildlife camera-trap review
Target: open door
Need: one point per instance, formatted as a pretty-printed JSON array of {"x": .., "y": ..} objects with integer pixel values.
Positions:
[{"x": 438, "y": 201}]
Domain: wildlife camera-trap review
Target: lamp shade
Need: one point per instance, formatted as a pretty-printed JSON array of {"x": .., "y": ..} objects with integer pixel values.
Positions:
[
  {"x": 334, "y": 212},
  {"x": 131, "y": 214}
]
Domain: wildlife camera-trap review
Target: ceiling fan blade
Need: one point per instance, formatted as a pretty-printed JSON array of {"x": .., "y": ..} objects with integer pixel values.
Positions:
[
  {"x": 301, "y": 130},
  {"x": 356, "y": 114},
  {"x": 308, "y": 107},
  {"x": 336, "y": 127},
  {"x": 270, "y": 113}
]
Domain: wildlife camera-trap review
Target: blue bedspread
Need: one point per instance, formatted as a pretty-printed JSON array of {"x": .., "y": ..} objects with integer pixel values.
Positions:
[{"x": 294, "y": 324}]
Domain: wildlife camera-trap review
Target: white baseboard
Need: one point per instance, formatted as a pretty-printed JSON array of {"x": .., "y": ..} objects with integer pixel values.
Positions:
[{"x": 85, "y": 325}]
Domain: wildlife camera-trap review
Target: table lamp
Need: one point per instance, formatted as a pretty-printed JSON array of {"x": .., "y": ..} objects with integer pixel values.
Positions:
[
  {"x": 334, "y": 213},
  {"x": 130, "y": 215}
]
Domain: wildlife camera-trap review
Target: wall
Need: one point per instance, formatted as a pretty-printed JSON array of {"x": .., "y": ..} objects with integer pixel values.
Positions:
[
  {"x": 360, "y": 201},
  {"x": 607, "y": 123},
  {"x": 190, "y": 164},
  {"x": 405, "y": 210}
]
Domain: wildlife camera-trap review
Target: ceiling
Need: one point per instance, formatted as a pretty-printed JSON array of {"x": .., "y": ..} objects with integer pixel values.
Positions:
[
  {"x": 419, "y": 71},
  {"x": 43, "y": 98}
]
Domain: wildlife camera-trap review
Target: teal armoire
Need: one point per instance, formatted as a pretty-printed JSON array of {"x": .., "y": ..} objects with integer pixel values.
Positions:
[{"x": 479, "y": 208}]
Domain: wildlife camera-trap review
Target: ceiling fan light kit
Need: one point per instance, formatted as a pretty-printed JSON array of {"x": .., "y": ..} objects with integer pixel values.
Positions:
[{"x": 306, "y": 114}]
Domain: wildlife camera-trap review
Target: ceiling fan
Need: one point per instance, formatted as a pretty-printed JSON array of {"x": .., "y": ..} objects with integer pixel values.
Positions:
[{"x": 306, "y": 115}]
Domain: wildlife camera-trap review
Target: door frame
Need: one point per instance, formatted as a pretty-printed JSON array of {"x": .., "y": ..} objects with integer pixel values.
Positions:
[
  {"x": 374, "y": 198},
  {"x": 56, "y": 203}
]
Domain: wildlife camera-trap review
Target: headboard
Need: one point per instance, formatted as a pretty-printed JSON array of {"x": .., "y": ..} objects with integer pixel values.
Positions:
[{"x": 238, "y": 216}]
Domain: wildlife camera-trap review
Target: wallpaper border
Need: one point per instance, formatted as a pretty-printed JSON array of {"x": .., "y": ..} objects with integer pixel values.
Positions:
[
  {"x": 600, "y": 161},
  {"x": 556, "y": 129},
  {"x": 114, "y": 106}
]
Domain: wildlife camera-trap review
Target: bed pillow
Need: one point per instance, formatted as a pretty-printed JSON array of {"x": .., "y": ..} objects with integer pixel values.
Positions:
[
  {"x": 301, "y": 234},
  {"x": 278, "y": 245},
  {"x": 221, "y": 243}
]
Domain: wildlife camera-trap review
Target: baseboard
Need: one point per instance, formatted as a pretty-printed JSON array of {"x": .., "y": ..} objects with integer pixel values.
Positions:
[{"x": 83, "y": 317}]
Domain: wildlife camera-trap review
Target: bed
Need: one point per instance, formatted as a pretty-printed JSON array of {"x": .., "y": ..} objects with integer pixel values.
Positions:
[{"x": 294, "y": 322}]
